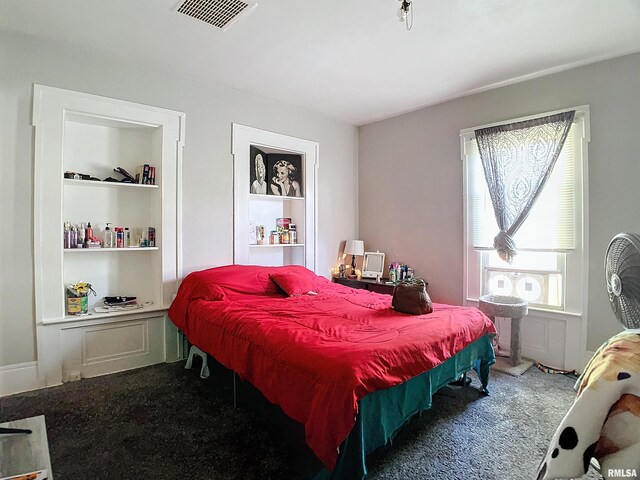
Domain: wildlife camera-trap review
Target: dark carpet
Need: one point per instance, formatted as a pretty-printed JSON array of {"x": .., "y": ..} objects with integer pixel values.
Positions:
[{"x": 163, "y": 422}]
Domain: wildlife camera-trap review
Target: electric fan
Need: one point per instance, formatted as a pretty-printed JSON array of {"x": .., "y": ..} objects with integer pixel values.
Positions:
[{"x": 622, "y": 274}]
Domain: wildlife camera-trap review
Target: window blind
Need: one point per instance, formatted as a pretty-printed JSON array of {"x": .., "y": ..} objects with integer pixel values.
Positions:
[{"x": 551, "y": 224}]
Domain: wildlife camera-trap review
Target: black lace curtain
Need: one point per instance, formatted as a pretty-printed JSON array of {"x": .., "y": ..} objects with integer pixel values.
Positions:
[{"x": 518, "y": 158}]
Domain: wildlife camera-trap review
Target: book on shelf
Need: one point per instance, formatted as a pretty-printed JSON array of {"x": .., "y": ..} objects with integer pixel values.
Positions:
[{"x": 145, "y": 174}]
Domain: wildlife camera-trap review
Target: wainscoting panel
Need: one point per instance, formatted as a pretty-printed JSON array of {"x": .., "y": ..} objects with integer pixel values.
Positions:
[
  {"x": 111, "y": 342},
  {"x": 91, "y": 350},
  {"x": 536, "y": 336},
  {"x": 555, "y": 339},
  {"x": 543, "y": 338}
]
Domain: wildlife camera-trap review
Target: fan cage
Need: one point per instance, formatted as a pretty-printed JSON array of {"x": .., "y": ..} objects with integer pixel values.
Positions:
[{"x": 622, "y": 275}]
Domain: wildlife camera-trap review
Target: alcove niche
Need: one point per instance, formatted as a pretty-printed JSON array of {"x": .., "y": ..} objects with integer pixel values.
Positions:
[
  {"x": 253, "y": 210},
  {"x": 91, "y": 136}
]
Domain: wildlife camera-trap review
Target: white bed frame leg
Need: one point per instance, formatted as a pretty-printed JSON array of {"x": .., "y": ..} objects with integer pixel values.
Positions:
[{"x": 204, "y": 371}]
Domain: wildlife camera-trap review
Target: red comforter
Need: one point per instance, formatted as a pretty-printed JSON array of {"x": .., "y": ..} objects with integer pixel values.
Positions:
[{"x": 316, "y": 355}]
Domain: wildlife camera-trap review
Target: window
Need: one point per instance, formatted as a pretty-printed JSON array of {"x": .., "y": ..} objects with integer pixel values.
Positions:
[{"x": 547, "y": 271}]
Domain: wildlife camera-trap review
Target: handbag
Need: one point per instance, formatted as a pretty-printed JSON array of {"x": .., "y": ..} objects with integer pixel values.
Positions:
[{"x": 411, "y": 296}]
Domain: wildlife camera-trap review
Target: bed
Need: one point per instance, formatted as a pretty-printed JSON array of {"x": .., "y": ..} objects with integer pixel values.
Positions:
[{"x": 337, "y": 360}]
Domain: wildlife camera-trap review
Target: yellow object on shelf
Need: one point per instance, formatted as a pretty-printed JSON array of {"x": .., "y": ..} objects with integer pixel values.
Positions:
[{"x": 78, "y": 298}]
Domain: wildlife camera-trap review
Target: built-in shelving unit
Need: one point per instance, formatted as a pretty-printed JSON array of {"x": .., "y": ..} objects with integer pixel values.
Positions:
[
  {"x": 92, "y": 135},
  {"x": 253, "y": 209}
]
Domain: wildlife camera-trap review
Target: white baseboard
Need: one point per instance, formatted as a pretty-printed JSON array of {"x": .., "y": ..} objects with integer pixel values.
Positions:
[{"x": 21, "y": 377}]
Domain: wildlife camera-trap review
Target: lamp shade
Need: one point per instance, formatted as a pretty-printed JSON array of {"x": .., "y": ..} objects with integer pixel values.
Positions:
[{"x": 354, "y": 247}]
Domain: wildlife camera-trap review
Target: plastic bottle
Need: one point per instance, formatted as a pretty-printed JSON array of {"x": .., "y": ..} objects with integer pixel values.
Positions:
[
  {"x": 81, "y": 232},
  {"x": 73, "y": 234},
  {"x": 127, "y": 237},
  {"x": 293, "y": 233},
  {"x": 108, "y": 237},
  {"x": 67, "y": 236},
  {"x": 119, "y": 237},
  {"x": 392, "y": 274},
  {"x": 88, "y": 233}
]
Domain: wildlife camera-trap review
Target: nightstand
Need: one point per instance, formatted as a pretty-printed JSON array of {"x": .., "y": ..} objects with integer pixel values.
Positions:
[{"x": 367, "y": 284}]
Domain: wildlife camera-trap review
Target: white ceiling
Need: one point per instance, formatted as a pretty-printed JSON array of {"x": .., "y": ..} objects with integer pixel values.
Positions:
[{"x": 349, "y": 59}]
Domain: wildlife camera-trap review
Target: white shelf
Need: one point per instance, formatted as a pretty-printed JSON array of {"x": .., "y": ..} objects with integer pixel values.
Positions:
[
  {"x": 276, "y": 245},
  {"x": 96, "y": 316},
  {"x": 80, "y": 132},
  {"x": 258, "y": 196},
  {"x": 97, "y": 183},
  {"x": 95, "y": 249}
]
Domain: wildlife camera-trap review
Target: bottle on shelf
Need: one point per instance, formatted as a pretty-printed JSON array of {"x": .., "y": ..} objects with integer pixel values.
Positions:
[
  {"x": 88, "y": 233},
  {"x": 81, "y": 235},
  {"x": 108, "y": 237},
  {"x": 293, "y": 234},
  {"x": 73, "y": 233},
  {"x": 127, "y": 237},
  {"x": 119, "y": 237},
  {"x": 66, "y": 236}
]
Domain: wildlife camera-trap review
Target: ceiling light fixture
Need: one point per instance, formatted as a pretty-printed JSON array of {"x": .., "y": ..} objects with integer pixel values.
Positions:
[{"x": 405, "y": 13}]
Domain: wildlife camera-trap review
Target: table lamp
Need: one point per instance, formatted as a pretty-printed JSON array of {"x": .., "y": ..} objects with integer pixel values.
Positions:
[{"x": 353, "y": 248}]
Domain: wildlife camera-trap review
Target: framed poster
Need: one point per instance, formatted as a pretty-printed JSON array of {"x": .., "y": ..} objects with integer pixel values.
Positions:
[
  {"x": 257, "y": 171},
  {"x": 285, "y": 175}
]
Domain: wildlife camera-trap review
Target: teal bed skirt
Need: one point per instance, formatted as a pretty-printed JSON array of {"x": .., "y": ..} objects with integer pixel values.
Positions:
[{"x": 381, "y": 414}]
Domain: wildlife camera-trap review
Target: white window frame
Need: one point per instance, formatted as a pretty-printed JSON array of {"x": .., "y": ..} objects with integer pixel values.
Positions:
[{"x": 577, "y": 264}]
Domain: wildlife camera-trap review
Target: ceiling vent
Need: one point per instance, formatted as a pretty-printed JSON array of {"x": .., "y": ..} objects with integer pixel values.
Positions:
[{"x": 219, "y": 13}]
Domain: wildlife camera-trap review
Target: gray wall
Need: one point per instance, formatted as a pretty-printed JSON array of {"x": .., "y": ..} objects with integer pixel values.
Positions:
[
  {"x": 207, "y": 171},
  {"x": 410, "y": 174}
]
